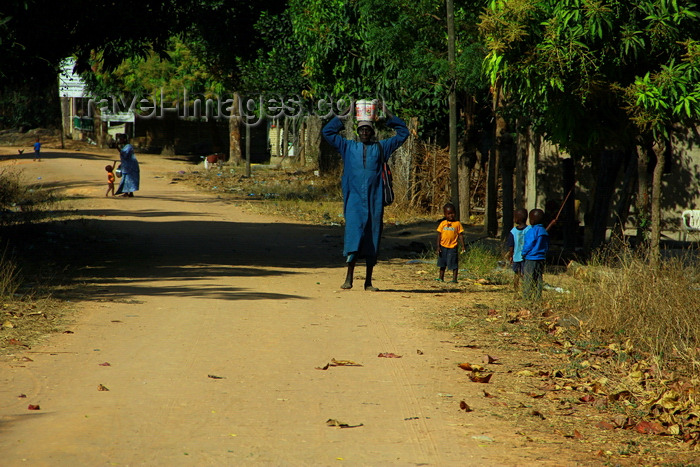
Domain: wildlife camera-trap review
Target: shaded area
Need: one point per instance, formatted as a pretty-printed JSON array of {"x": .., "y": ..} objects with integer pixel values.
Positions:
[{"x": 184, "y": 256}]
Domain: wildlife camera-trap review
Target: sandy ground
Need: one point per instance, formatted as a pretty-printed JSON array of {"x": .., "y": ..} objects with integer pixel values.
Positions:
[{"x": 213, "y": 321}]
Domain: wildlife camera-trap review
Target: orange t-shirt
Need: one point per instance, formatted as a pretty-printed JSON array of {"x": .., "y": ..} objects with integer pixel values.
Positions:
[
  {"x": 110, "y": 177},
  {"x": 449, "y": 233}
]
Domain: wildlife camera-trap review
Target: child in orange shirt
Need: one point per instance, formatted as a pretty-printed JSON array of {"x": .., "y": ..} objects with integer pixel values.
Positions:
[
  {"x": 110, "y": 178},
  {"x": 450, "y": 233}
]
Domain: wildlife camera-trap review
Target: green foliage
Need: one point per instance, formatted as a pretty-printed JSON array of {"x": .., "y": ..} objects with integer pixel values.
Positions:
[
  {"x": 392, "y": 49},
  {"x": 591, "y": 71},
  {"x": 163, "y": 79},
  {"x": 481, "y": 262}
]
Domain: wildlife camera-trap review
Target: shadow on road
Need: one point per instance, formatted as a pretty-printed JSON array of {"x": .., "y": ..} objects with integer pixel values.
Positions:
[{"x": 183, "y": 258}]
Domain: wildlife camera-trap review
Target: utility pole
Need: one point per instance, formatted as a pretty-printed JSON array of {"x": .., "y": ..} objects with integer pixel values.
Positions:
[{"x": 454, "y": 166}]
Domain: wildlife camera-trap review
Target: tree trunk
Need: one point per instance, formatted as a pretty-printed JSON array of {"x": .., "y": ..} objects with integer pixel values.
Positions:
[
  {"x": 452, "y": 102},
  {"x": 247, "y": 151},
  {"x": 506, "y": 149},
  {"x": 608, "y": 168},
  {"x": 622, "y": 206},
  {"x": 568, "y": 215},
  {"x": 411, "y": 173},
  {"x": 490, "y": 219},
  {"x": 467, "y": 160},
  {"x": 655, "y": 244},
  {"x": 642, "y": 202},
  {"x": 235, "y": 155},
  {"x": 521, "y": 150},
  {"x": 534, "y": 143}
]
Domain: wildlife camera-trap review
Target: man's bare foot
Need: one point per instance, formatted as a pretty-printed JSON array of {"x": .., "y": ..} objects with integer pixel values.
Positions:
[
  {"x": 371, "y": 288},
  {"x": 347, "y": 285}
]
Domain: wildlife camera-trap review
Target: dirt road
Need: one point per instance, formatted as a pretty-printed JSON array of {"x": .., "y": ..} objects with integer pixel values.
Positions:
[{"x": 213, "y": 321}]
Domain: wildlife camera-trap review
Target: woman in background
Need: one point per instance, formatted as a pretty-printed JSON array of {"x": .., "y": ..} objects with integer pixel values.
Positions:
[{"x": 131, "y": 174}]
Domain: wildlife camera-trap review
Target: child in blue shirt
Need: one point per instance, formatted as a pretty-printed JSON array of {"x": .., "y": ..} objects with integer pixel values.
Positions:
[
  {"x": 534, "y": 253},
  {"x": 514, "y": 244},
  {"x": 37, "y": 150}
]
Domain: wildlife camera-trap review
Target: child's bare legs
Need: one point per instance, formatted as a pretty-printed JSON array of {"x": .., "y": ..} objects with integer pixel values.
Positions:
[{"x": 110, "y": 187}]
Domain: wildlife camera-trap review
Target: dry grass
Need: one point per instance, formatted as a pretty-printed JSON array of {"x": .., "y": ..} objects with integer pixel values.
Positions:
[
  {"x": 657, "y": 310},
  {"x": 19, "y": 201}
]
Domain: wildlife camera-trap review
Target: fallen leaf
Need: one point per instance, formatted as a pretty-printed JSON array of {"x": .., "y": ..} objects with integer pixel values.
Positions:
[
  {"x": 479, "y": 378},
  {"x": 419, "y": 352},
  {"x": 324, "y": 368},
  {"x": 22, "y": 396},
  {"x": 335, "y": 362},
  {"x": 105, "y": 364},
  {"x": 537, "y": 413},
  {"x": 388, "y": 355},
  {"x": 622, "y": 421},
  {"x": 605, "y": 425},
  {"x": 577, "y": 434},
  {"x": 620, "y": 396},
  {"x": 525, "y": 373},
  {"x": 536, "y": 395},
  {"x": 33, "y": 407},
  {"x": 8, "y": 324},
  {"x": 488, "y": 359},
  {"x": 646, "y": 428},
  {"x": 26, "y": 359},
  {"x": 334, "y": 422},
  {"x": 463, "y": 406},
  {"x": 524, "y": 313},
  {"x": 16, "y": 342},
  {"x": 215, "y": 377},
  {"x": 486, "y": 394},
  {"x": 492, "y": 312},
  {"x": 102, "y": 387},
  {"x": 470, "y": 367},
  {"x": 587, "y": 398},
  {"x": 68, "y": 332}
]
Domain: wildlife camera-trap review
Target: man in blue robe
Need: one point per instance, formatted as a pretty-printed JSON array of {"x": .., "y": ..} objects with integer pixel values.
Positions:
[{"x": 362, "y": 189}]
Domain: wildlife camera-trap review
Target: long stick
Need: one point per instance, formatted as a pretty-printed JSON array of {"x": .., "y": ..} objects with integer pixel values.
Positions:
[{"x": 563, "y": 203}]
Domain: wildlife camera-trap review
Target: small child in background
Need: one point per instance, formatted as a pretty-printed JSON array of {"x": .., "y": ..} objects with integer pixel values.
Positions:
[
  {"x": 37, "y": 150},
  {"x": 110, "y": 178},
  {"x": 534, "y": 252},
  {"x": 450, "y": 234},
  {"x": 514, "y": 244}
]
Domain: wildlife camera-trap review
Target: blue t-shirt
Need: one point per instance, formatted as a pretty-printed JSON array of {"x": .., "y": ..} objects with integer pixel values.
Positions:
[
  {"x": 516, "y": 240},
  {"x": 536, "y": 243},
  {"x": 37, "y": 146}
]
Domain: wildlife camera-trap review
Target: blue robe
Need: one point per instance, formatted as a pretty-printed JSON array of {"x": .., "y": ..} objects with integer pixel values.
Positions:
[
  {"x": 362, "y": 186},
  {"x": 131, "y": 175}
]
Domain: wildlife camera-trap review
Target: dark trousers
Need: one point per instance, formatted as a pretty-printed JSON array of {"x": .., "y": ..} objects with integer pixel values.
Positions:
[{"x": 532, "y": 279}]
